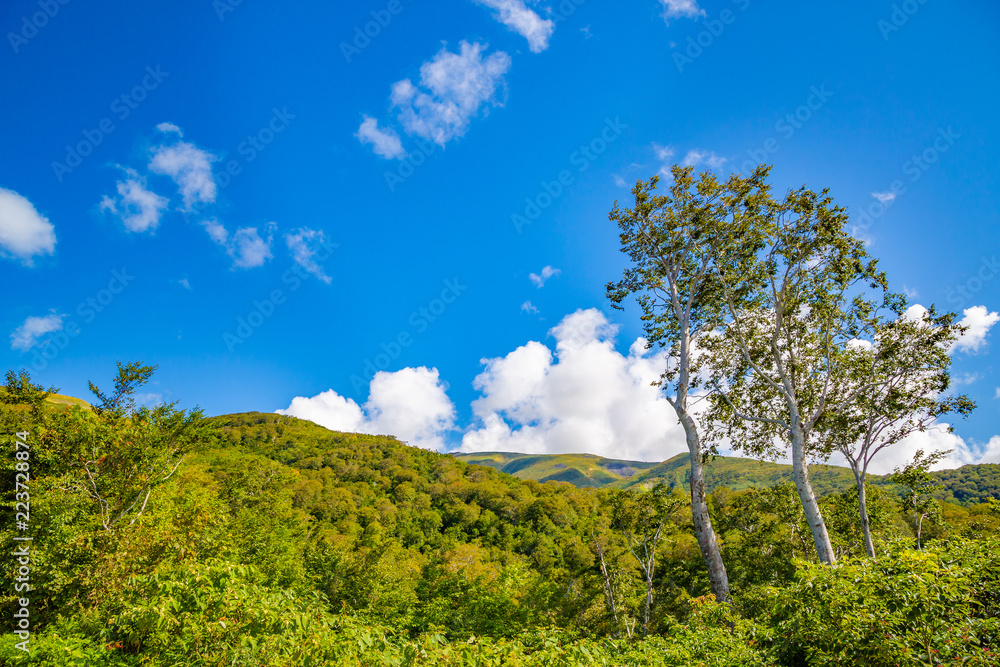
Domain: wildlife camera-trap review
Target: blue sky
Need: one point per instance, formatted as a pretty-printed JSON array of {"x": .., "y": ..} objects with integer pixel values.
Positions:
[{"x": 397, "y": 190}]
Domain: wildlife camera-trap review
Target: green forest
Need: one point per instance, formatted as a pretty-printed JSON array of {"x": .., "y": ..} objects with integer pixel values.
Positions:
[
  {"x": 278, "y": 542},
  {"x": 159, "y": 536}
]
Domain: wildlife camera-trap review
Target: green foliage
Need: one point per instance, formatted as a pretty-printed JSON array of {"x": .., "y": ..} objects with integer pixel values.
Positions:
[
  {"x": 906, "y": 607},
  {"x": 278, "y": 542}
]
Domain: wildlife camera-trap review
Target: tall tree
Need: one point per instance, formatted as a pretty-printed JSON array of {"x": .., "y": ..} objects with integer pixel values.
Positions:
[
  {"x": 778, "y": 367},
  {"x": 118, "y": 453},
  {"x": 681, "y": 297},
  {"x": 918, "y": 485},
  {"x": 903, "y": 372},
  {"x": 641, "y": 517}
]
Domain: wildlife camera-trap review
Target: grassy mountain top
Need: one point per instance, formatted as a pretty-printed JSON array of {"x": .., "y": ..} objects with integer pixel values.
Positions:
[{"x": 583, "y": 470}]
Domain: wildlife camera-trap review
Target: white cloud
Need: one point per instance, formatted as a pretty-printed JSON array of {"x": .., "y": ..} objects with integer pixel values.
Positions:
[
  {"x": 139, "y": 208},
  {"x": 515, "y": 15},
  {"x": 688, "y": 9},
  {"x": 934, "y": 439},
  {"x": 964, "y": 379},
  {"x": 910, "y": 293},
  {"x": 190, "y": 168},
  {"x": 302, "y": 244},
  {"x": 245, "y": 246},
  {"x": 980, "y": 321},
  {"x": 620, "y": 182},
  {"x": 884, "y": 197},
  {"x": 183, "y": 282},
  {"x": 547, "y": 272},
  {"x": 248, "y": 249},
  {"x": 529, "y": 308},
  {"x": 696, "y": 157},
  {"x": 385, "y": 143},
  {"x": 25, "y": 336},
  {"x": 589, "y": 399},
  {"x": 454, "y": 87},
  {"x": 665, "y": 154},
  {"x": 24, "y": 232},
  {"x": 997, "y": 394},
  {"x": 167, "y": 128},
  {"x": 410, "y": 404}
]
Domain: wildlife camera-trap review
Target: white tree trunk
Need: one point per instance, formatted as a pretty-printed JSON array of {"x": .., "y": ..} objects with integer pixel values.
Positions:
[{"x": 824, "y": 548}]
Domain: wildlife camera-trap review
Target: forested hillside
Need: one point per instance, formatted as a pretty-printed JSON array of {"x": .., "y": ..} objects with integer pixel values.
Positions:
[
  {"x": 967, "y": 485},
  {"x": 277, "y": 542}
]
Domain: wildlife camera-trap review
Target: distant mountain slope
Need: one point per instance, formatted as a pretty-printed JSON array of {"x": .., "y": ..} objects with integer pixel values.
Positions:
[
  {"x": 966, "y": 485},
  {"x": 583, "y": 470}
]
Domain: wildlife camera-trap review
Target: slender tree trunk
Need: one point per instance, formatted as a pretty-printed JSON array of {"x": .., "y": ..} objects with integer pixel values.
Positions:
[
  {"x": 824, "y": 548},
  {"x": 866, "y": 528},
  {"x": 608, "y": 584},
  {"x": 717, "y": 576}
]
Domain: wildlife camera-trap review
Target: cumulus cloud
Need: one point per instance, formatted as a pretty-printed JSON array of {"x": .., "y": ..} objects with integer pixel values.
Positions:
[
  {"x": 516, "y": 16},
  {"x": 980, "y": 321},
  {"x": 547, "y": 272},
  {"x": 411, "y": 404},
  {"x": 24, "y": 232},
  {"x": 139, "y": 208},
  {"x": 26, "y": 336},
  {"x": 529, "y": 308},
  {"x": 697, "y": 157},
  {"x": 933, "y": 439},
  {"x": 586, "y": 398},
  {"x": 303, "y": 244},
  {"x": 688, "y": 9},
  {"x": 246, "y": 246},
  {"x": 190, "y": 168},
  {"x": 454, "y": 87},
  {"x": 385, "y": 142}
]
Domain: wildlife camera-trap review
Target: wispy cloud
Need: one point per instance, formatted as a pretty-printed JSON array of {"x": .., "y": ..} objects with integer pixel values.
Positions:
[
  {"x": 687, "y": 9},
  {"x": 26, "y": 336},
  {"x": 529, "y": 308},
  {"x": 884, "y": 197},
  {"x": 303, "y": 244},
  {"x": 547, "y": 272},
  {"x": 697, "y": 157},
  {"x": 138, "y": 208},
  {"x": 246, "y": 246},
  {"x": 384, "y": 142},
  {"x": 515, "y": 15},
  {"x": 453, "y": 88},
  {"x": 190, "y": 168}
]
